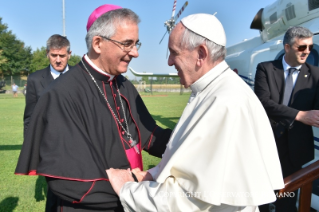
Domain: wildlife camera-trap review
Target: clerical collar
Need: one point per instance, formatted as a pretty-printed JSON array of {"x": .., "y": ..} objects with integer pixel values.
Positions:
[
  {"x": 97, "y": 68},
  {"x": 207, "y": 78},
  {"x": 286, "y": 66},
  {"x": 55, "y": 74}
]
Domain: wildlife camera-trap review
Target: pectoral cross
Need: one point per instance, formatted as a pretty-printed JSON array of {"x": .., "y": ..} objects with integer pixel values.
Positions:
[{"x": 134, "y": 144}]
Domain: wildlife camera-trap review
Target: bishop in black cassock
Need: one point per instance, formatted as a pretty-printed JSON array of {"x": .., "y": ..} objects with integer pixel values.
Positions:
[
  {"x": 74, "y": 137},
  {"x": 92, "y": 119}
]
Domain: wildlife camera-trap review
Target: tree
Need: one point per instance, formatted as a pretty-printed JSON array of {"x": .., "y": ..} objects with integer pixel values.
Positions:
[
  {"x": 3, "y": 59},
  {"x": 13, "y": 50},
  {"x": 74, "y": 59},
  {"x": 39, "y": 60}
]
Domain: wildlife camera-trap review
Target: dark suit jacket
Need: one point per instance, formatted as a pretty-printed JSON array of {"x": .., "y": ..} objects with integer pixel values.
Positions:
[
  {"x": 37, "y": 82},
  {"x": 269, "y": 87}
]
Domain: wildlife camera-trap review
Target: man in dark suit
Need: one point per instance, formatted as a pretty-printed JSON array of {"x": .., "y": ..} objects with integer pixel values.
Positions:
[
  {"x": 289, "y": 92},
  {"x": 58, "y": 52}
]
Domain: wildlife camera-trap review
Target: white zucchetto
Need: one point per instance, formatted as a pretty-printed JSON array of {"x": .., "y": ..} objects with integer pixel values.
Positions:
[{"x": 206, "y": 25}]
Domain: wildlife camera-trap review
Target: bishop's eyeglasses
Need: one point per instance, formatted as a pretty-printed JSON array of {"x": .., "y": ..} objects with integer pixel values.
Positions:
[{"x": 127, "y": 46}]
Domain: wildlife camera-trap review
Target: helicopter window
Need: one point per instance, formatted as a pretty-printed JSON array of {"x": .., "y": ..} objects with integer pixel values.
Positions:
[
  {"x": 290, "y": 12},
  {"x": 313, "y": 4},
  {"x": 273, "y": 18}
]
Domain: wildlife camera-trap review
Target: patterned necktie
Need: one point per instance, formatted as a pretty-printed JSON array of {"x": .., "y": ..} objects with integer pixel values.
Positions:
[{"x": 288, "y": 86}]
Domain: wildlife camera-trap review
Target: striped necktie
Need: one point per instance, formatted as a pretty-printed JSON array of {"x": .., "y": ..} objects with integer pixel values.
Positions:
[{"x": 288, "y": 87}]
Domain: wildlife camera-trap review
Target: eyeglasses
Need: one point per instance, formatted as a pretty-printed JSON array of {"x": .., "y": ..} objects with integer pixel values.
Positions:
[
  {"x": 304, "y": 47},
  {"x": 127, "y": 46}
]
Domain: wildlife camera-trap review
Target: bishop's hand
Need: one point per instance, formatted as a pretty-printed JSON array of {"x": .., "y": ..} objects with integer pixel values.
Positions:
[
  {"x": 118, "y": 177},
  {"x": 141, "y": 175}
]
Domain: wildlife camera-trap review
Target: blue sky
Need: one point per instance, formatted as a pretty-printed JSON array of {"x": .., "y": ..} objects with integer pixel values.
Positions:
[{"x": 35, "y": 21}]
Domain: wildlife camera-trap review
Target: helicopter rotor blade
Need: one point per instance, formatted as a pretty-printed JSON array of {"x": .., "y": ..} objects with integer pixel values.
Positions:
[
  {"x": 163, "y": 37},
  {"x": 181, "y": 10},
  {"x": 174, "y": 8}
]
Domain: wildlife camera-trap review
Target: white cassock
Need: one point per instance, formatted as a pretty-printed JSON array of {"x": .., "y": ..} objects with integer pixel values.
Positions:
[{"x": 221, "y": 156}]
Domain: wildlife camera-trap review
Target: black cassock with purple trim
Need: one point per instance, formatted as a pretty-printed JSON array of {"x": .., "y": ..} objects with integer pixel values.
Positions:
[{"x": 74, "y": 136}]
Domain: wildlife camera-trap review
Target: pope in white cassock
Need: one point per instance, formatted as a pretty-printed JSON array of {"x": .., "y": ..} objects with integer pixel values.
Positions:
[{"x": 222, "y": 154}]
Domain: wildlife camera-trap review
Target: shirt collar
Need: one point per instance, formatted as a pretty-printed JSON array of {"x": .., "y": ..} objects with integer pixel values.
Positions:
[
  {"x": 97, "y": 68},
  {"x": 286, "y": 66},
  {"x": 56, "y": 73},
  {"x": 202, "y": 82}
]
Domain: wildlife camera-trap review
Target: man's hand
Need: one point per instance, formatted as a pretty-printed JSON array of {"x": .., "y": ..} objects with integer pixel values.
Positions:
[
  {"x": 118, "y": 177},
  {"x": 142, "y": 176},
  {"x": 308, "y": 117}
]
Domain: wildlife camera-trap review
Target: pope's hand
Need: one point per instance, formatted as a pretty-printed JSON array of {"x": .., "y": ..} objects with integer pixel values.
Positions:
[
  {"x": 118, "y": 177},
  {"x": 141, "y": 175}
]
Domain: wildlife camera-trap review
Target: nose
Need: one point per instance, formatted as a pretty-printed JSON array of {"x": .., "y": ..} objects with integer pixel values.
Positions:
[
  {"x": 58, "y": 59},
  {"x": 134, "y": 52},
  {"x": 170, "y": 60}
]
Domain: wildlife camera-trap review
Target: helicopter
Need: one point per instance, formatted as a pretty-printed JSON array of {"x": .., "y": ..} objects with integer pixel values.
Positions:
[{"x": 272, "y": 23}]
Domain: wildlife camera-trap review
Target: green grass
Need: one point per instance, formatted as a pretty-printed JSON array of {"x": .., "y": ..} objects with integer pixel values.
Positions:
[{"x": 27, "y": 193}]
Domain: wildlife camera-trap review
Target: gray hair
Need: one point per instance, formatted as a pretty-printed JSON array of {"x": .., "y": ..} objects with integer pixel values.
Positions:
[
  {"x": 57, "y": 42},
  {"x": 191, "y": 40},
  {"x": 106, "y": 24},
  {"x": 296, "y": 32}
]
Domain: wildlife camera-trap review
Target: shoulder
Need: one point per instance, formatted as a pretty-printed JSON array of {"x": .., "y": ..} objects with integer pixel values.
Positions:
[
  {"x": 269, "y": 66},
  {"x": 123, "y": 80},
  {"x": 126, "y": 86},
  {"x": 311, "y": 67},
  {"x": 39, "y": 73},
  {"x": 271, "y": 63},
  {"x": 314, "y": 70}
]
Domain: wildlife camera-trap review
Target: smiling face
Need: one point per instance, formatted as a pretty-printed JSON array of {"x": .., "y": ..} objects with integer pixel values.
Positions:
[
  {"x": 113, "y": 59},
  {"x": 293, "y": 56},
  {"x": 183, "y": 59},
  {"x": 59, "y": 58}
]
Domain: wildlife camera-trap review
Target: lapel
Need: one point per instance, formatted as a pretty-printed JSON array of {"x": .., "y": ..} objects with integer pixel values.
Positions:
[
  {"x": 279, "y": 77},
  {"x": 301, "y": 82},
  {"x": 46, "y": 77}
]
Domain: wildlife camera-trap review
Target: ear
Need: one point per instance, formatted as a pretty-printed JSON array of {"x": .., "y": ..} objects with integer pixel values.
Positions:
[
  {"x": 96, "y": 44},
  {"x": 47, "y": 54},
  {"x": 202, "y": 52},
  {"x": 287, "y": 47},
  {"x": 69, "y": 55}
]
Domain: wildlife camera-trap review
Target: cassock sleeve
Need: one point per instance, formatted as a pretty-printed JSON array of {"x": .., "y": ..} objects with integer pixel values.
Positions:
[
  {"x": 30, "y": 100},
  {"x": 278, "y": 112},
  {"x": 158, "y": 141},
  {"x": 154, "y": 138},
  {"x": 150, "y": 196}
]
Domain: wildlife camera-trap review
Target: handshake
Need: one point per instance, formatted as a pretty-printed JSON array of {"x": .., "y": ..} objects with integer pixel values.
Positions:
[{"x": 118, "y": 177}]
